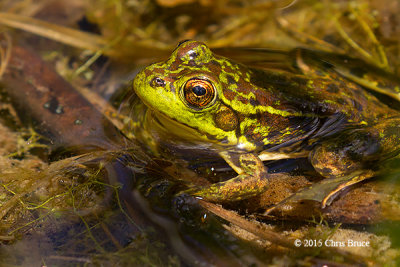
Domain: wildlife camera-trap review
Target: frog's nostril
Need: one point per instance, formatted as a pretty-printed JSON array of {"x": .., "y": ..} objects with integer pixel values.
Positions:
[{"x": 157, "y": 81}]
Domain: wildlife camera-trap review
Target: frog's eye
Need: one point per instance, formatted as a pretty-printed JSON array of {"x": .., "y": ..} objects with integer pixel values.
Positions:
[{"x": 198, "y": 92}]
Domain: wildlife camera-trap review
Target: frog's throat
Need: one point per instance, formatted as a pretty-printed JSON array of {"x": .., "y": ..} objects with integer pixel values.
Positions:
[{"x": 172, "y": 129}]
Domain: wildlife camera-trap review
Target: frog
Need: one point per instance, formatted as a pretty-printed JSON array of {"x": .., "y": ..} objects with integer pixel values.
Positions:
[{"x": 247, "y": 116}]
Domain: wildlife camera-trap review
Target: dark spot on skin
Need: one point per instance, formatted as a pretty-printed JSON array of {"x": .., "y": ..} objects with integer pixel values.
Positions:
[
  {"x": 332, "y": 88},
  {"x": 377, "y": 202},
  {"x": 226, "y": 119},
  {"x": 242, "y": 99},
  {"x": 231, "y": 80},
  {"x": 254, "y": 102}
]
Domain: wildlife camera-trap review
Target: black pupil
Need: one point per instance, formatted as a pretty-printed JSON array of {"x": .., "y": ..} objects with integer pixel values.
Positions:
[{"x": 199, "y": 91}]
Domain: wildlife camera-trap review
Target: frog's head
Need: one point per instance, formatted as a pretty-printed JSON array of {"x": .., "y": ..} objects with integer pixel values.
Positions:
[{"x": 184, "y": 92}]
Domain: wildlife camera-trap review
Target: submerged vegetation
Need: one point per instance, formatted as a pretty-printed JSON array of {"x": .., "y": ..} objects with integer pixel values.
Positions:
[{"x": 77, "y": 210}]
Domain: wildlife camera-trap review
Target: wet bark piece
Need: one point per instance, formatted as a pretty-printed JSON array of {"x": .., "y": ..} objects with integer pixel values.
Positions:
[{"x": 41, "y": 94}]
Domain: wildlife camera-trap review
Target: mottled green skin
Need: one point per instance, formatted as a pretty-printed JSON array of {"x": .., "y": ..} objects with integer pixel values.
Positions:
[{"x": 263, "y": 112}]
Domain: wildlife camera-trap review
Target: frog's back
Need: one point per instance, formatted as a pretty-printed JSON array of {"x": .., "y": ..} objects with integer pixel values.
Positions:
[{"x": 297, "y": 107}]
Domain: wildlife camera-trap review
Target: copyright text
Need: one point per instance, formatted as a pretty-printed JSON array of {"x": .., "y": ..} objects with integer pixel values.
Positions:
[{"x": 330, "y": 243}]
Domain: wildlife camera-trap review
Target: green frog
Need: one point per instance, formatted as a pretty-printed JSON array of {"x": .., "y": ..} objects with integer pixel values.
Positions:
[{"x": 198, "y": 100}]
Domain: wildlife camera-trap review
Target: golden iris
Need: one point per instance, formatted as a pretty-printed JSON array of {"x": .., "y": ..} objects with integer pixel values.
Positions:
[{"x": 198, "y": 92}]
